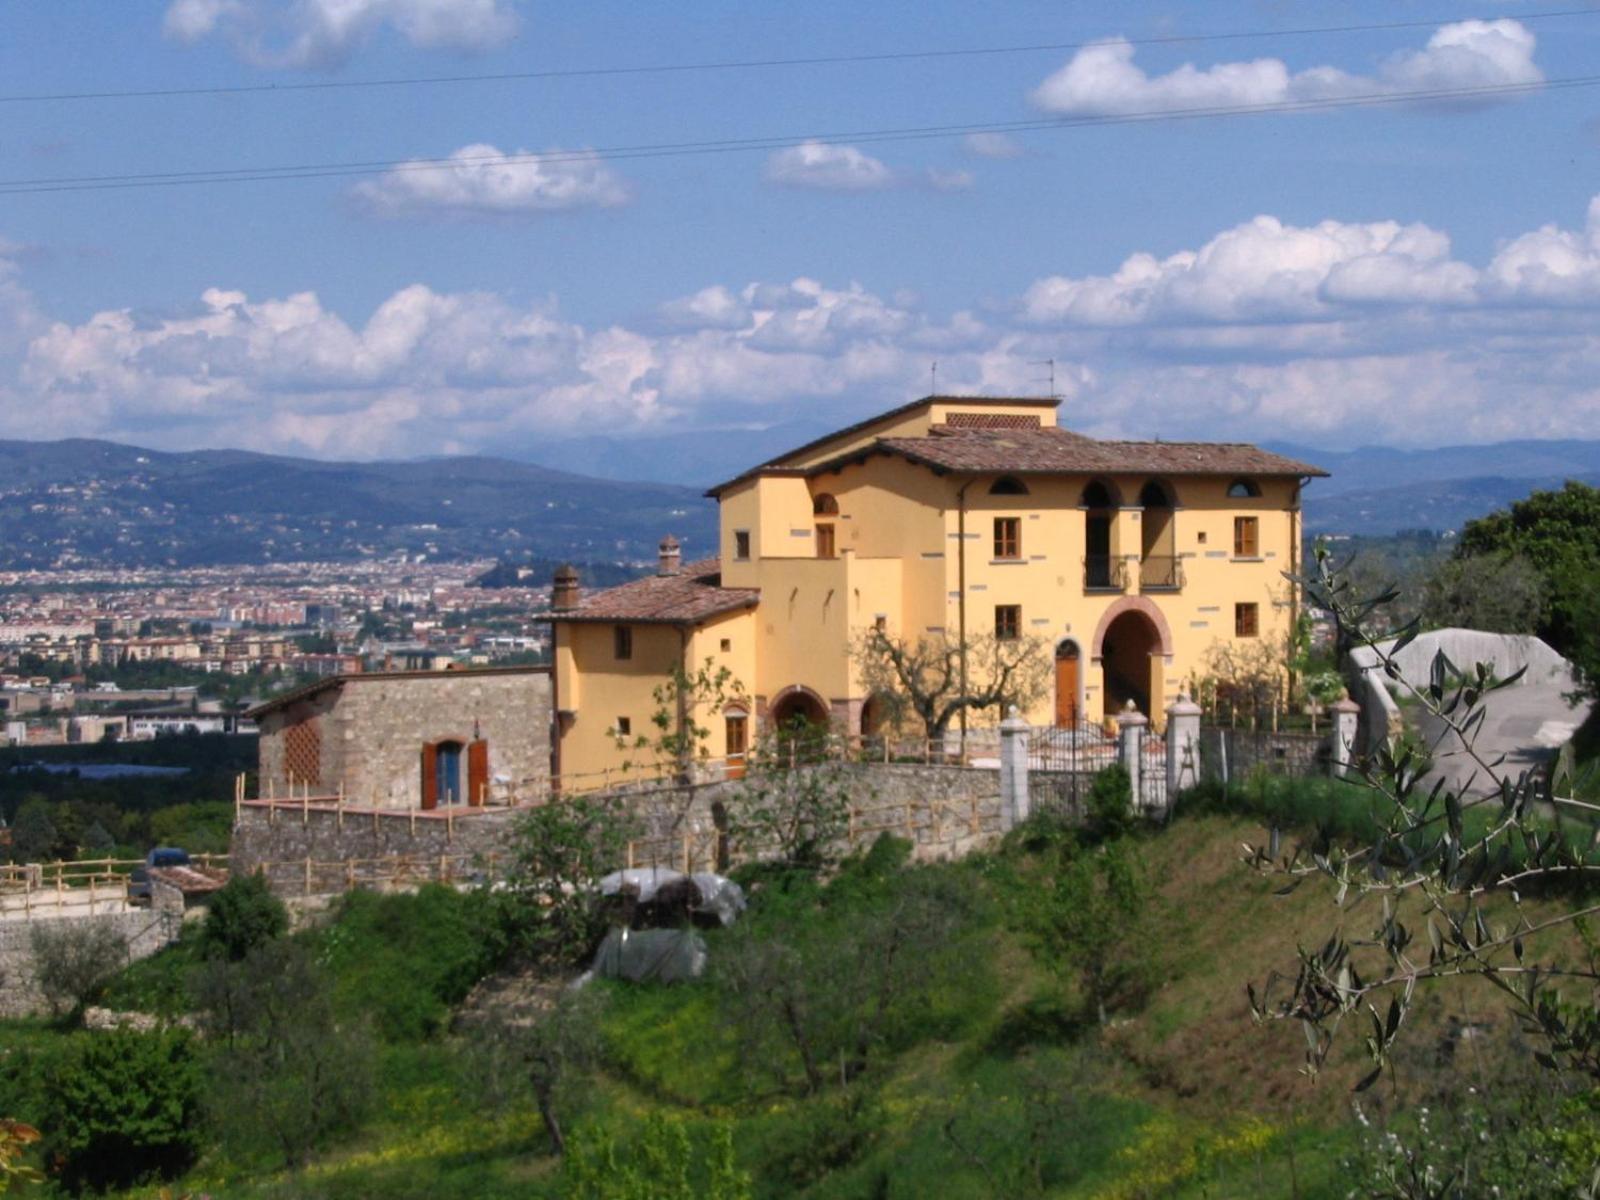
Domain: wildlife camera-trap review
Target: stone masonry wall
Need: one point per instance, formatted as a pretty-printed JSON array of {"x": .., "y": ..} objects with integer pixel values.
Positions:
[
  {"x": 372, "y": 728},
  {"x": 945, "y": 811},
  {"x": 144, "y": 932}
]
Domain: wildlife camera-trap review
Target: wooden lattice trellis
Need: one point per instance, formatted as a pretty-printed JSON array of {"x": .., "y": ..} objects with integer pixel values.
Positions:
[{"x": 302, "y": 751}]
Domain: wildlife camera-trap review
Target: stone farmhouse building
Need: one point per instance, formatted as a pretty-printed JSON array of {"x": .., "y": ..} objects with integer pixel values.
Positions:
[
  {"x": 411, "y": 739},
  {"x": 947, "y": 516}
]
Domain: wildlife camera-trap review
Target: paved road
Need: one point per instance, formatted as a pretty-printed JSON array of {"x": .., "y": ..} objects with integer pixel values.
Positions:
[{"x": 1527, "y": 724}]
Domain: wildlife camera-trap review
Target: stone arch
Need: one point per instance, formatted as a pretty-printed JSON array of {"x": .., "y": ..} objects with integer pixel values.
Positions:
[
  {"x": 1138, "y": 604},
  {"x": 797, "y": 700},
  {"x": 874, "y": 715}
]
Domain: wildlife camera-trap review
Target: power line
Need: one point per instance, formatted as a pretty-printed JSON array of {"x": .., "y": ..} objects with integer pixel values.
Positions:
[
  {"x": 750, "y": 64},
  {"x": 773, "y": 142}
]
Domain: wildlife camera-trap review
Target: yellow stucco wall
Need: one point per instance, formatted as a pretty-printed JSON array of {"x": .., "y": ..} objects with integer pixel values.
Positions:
[{"x": 900, "y": 556}]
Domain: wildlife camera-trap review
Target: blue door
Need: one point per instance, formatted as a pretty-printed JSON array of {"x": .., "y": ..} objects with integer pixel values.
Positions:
[{"x": 447, "y": 773}]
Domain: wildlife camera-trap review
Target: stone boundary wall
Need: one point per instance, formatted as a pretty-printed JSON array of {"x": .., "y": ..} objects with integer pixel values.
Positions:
[
  {"x": 144, "y": 931},
  {"x": 1506, "y": 653},
  {"x": 314, "y": 850}
]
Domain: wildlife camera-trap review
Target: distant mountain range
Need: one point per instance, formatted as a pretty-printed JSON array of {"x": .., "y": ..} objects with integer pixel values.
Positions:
[
  {"x": 82, "y": 502},
  {"x": 1377, "y": 490}
]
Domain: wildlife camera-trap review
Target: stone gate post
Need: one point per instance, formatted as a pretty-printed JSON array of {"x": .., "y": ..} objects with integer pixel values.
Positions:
[
  {"x": 1131, "y": 726},
  {"x": 1346, "y": 721},
  {"x": 1014, "y": 732},
  {"x": 1183, "y": 746}
]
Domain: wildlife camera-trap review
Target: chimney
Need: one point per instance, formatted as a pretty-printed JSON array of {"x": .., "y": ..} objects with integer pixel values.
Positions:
[
  {"x": 671, "y": 556},
  {"x": 564, "y": 591}
]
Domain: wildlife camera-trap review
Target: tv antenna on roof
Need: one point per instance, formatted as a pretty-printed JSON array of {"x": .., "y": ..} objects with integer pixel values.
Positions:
[
  {"x": 1051, "y": 363},
  {"x": 933, "y": 378}
]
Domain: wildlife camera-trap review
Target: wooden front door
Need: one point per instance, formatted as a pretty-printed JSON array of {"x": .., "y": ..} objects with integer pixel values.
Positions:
[{"x": 1066, "y": 685}]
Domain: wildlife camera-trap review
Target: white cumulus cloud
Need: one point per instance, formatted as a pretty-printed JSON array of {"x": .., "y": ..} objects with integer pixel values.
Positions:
[
  {"x": 1264, "y": 270},
  {"x": 482, "y": 180},
  {"x": 828, "y": 167},
  {"x": 1342, "y": 331},
  {"x": 323, "y": 33},
  {"x": 1103, "y": 79}
]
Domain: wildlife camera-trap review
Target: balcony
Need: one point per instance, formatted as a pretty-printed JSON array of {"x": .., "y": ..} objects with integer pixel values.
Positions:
[
  {"x": 1104, "y": 573},
  {"x": 1160, "y": 573}
]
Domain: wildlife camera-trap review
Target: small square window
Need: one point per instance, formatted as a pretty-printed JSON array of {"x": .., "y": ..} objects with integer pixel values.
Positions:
[
  {"x": 1202, "y": 537},
  {"x": 741, "y": 544},
  {"x": 1246, "y": 620},
  {"x": 624, "y": 726},
  {"x": 727, "y": 645},
  {"x": 622, "y": 641},
  {"x": 1007, "y": 621},
  {"x": 881, "y": 624}
]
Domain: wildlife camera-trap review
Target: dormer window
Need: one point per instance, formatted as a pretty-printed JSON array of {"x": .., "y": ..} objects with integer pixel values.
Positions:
[{"x": 1008, "y": 485}]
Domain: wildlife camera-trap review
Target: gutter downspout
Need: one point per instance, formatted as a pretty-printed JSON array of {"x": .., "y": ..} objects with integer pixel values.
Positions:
[
  {"x": 685, "y": 745},
  {"x": 1296, "y": 570},
  {"x": 961, "y": 601}
]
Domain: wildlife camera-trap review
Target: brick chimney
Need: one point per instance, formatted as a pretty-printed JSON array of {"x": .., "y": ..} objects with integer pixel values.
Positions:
[
  {"x": 564, "y": 591},
  {"x": 671, "y": 556}
]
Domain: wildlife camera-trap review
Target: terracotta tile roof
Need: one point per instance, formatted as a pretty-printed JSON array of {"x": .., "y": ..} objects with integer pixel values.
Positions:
[
  {"x": 193, "y": 880},
  {"x": 1051, "y": 450},
  {"x": 689, "y": 597}
]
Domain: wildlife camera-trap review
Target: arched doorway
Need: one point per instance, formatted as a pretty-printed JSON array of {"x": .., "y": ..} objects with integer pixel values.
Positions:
[
  {"x": 1130, "y": 662},
  {"x": 797, "y": 704},
  {"x": 1068, "y": 682}
]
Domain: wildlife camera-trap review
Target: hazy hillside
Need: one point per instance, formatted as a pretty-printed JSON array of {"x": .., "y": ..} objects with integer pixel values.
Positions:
[
  {"x": 1442, "y": 505},
  {"x": 90, "y": 502}
]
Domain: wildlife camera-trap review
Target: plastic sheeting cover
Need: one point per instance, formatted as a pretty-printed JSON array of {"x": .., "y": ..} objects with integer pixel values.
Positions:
[
  {"x": 651, "y": 955},
  {"x": 717, "y": 894}
]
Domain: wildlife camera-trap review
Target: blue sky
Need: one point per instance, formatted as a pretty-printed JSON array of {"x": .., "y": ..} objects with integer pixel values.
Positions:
[{"x": 1412, "y": 273}]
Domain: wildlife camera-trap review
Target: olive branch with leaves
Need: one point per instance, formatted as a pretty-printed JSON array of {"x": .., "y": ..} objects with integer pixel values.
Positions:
[{"x": 1459, "y": 856}]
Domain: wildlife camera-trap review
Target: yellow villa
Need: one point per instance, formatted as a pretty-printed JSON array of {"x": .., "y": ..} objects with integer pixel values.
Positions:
[{"x": 949, "y": 516}]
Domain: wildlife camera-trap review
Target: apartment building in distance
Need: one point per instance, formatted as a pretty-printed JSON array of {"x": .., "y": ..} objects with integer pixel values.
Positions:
[{"x": 947, "y": 516}]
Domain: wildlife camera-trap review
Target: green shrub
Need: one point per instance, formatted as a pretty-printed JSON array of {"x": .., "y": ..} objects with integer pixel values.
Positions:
[
  {"x": 243, "y": 915},
  {"x": 403, "y": 960},
  {"x": 122, "y": 1108},
  {"x": 1110, "y": 803}
]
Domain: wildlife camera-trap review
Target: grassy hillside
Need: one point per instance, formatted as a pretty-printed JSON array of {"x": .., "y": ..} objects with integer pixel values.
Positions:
[{"x": 989, "y": 1075}]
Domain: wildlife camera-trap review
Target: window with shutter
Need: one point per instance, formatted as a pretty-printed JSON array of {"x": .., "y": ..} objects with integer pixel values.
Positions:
[
  {"x": 1246, "y": 620},
  {"x": 1246, "y": 537},
  {"x": 1008, "y": 537}
]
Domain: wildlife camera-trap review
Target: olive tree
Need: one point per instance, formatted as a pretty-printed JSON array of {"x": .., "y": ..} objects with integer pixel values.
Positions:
[
  {"x": 935, "y": 679},
  {"x": 73, "y": 961}
]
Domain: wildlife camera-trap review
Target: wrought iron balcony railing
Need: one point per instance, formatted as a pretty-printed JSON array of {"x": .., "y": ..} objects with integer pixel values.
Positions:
[
  {"x": 1160, "y": 573},
  {"x": 1104, "y": 573}
]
